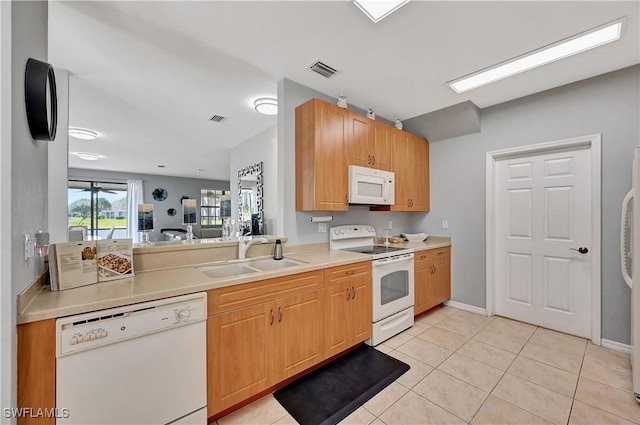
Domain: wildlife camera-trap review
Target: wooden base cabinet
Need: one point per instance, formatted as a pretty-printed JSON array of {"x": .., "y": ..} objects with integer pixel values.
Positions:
[
  {"x": 37, "y": 370},
  {"x": 252, "y": 348},
  {"x": 432, "y": 278},
  {"x": 348, "y": 306}
]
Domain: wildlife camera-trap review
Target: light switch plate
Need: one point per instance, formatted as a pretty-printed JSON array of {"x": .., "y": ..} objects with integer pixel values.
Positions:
[
  {"x": 29, "y": 247},
  {"x": 445, "y": 224},
  {"x": 322, "y": 227}
]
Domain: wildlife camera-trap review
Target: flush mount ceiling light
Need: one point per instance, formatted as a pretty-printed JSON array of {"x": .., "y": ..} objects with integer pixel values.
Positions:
[
  {"x": 88, "y": 156},
  {"x": 578, "y": 43},
  {"x": 377, "y": 10},
  {"x": 82, "y": 133},
  {"x": 266, "y": 105}
]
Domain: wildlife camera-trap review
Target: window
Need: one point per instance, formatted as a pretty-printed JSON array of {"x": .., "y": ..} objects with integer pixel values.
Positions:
[
  {"x": 98, "y": 206},
  {"x": 210, "y": 206}
]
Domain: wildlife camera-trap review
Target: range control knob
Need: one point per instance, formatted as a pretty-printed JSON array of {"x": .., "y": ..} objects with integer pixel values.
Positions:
[{"x": 183, "y": 314}]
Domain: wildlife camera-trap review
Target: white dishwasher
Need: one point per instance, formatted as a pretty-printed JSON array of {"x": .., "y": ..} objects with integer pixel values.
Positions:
[{"x": 139, "y": 364}]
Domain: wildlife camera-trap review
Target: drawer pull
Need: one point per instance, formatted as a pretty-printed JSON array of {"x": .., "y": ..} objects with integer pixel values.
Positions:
[
  {"x": 422, "y": 257},
  {"x": 441, "y": 253},
  {"x": 350, "y": 272}
]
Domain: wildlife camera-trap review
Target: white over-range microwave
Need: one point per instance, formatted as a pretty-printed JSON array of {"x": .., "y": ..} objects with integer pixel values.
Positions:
[{"x": 369, "y": 186}]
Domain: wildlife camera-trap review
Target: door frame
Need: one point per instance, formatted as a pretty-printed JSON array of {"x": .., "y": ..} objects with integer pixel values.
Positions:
[{"x": 593, "y": 143}]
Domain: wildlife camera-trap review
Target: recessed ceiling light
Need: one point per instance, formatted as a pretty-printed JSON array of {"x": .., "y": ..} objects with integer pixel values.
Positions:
[
  {"x": 578, "y": 43},
  {"x": 88, "y": 156},
  {"x": 200, "y": 170},
  {"x": 161, "y": 166},
  {"x": 377, "y": 10},
  {"x": 266, "y": 105},
  {"x": 82, "y": 133}
]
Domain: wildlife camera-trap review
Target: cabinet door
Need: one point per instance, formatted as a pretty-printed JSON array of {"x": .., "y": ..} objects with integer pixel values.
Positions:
[
  {"x": 360, "y": 140},
  {"x": 299, "y": 332},
  {"x": 321, "y": 156},
  {"x": 241, "y": 355},
  {"x": 331, "y": 179},
  {"x": 421, "y": 272},
  {"x": 442, "y": 275},
  {"x": 420, "y": 173},
  {"x": 382, "y": 139},
  {"x": 337, "y": 329},
  {"x": 360, "y": 307},
  {"x": 402, "y": 162}
]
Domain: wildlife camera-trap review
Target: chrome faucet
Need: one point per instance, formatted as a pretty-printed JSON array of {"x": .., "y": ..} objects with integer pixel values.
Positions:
[{"x": 244, "y": 246}]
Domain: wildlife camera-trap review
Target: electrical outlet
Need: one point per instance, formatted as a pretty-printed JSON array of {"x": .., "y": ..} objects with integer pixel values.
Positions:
[
  {"x": 445, "y": 224},
  {"x": 29, "y": 247},
  {"x": 322, "y": 227}
]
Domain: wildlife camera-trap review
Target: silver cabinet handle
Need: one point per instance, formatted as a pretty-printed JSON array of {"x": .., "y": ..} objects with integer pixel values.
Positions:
[{"x": 279, "y": 314}]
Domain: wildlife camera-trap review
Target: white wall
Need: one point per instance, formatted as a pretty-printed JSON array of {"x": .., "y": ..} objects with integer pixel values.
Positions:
[
  {"x": 296, "y": 225},
  {"x": 262, "y": 147},
  {"x": 58, "y": 163},
  {"x": 7, "y": 313},
  {"x": 23, "y": 172},
  {"x": 608, "y": 104}
]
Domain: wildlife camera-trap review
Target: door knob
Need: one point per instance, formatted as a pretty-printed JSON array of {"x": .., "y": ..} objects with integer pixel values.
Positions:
[{"x": 581, "y": 250}]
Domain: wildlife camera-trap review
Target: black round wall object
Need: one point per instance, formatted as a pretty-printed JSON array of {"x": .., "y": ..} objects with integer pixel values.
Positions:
[{"x": 41, "y": 100}]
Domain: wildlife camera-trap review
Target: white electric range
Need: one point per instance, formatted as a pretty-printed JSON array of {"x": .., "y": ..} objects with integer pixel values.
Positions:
[{"x": 392, "y": 279}]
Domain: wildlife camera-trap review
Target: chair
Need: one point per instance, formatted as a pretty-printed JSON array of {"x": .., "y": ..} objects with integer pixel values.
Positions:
[
  {"x": 75, "y": 230},
  {"x": 110, "y": 234}
]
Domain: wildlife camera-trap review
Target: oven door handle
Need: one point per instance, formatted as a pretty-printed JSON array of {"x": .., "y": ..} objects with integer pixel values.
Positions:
[{"x": 396, "y": 258}]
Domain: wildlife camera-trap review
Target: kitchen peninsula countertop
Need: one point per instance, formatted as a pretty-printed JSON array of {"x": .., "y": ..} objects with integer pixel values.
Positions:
[{"x": 158, "y": 284}]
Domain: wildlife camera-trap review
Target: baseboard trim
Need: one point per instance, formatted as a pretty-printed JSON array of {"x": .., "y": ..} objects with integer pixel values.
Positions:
[
  {"x": 616, "y": 346},
  {"x": 466, "y": 307}
]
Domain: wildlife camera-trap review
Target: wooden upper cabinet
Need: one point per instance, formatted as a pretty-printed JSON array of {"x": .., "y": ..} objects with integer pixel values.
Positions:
[
  {"x": 369, "y": 142},
  {"x": 322, "y": 132},
  {"x": 410, "y": 163}
]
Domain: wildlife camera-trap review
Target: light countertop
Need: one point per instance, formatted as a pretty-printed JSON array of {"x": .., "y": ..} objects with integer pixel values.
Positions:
[{"x": 153, "y": 285}]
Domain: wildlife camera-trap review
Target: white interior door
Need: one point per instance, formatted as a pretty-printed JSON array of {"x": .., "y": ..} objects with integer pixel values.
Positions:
[{"x": 542, "y": 207}]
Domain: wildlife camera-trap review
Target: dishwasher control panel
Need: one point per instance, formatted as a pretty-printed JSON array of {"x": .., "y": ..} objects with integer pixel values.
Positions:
[{"x": 104, "y": 327}]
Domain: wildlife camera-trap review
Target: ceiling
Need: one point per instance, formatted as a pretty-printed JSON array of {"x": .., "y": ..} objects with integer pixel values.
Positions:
[{"x": 148, "y": 76}]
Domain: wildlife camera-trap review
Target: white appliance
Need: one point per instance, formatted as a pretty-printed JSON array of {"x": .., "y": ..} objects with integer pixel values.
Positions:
[
  {"x": 630, "y": 256},
  {"x": 392, "y": 279},
  {"x": 140, "y": 364},
  {"x": 370, "y": 186}
]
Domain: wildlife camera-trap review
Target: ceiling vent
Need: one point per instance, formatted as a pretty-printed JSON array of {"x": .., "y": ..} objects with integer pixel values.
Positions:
[
  {"x": 216, "y": 118},
  {"x": 323, "y": 69}
]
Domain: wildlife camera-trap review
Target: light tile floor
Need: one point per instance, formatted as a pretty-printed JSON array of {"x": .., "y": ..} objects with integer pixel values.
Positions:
[{"x": 467, "y": 368}]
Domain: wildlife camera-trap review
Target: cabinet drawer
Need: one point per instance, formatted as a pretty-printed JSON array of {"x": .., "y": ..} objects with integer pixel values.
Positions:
[
  {"x": 242, "y": 295},
  {"x": 336, "y": 274},
  {"x": 439, "y": 256}
]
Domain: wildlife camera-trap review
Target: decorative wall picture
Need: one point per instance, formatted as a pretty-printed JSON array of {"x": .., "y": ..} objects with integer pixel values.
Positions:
[
  {"x": 189, "y": 211},
  {"x": 171, "y": 212},
  {"x": 159, "y": 194},
  {"x": 145, "y": 217}
]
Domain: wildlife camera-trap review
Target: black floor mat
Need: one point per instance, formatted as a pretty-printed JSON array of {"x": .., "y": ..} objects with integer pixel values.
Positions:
[{"x": 331, "y": 393}]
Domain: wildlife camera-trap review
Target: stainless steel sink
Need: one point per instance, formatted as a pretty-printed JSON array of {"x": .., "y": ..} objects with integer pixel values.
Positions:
[
  {"x": 271, "y": 264},
  {"x": 227, "y": 270},
  {"x": 246, "y": 267}
]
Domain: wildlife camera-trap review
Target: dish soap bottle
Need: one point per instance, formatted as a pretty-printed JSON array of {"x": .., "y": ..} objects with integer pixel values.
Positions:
[{"x": 277, "y": 253}]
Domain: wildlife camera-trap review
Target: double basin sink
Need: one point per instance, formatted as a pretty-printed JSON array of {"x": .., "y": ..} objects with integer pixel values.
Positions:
[{"x": 230, "y": 269}]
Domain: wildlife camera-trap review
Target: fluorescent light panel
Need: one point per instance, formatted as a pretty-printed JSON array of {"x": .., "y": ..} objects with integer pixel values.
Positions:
[
  {"x": 560, "y": 50},
  {"x": 377, "y": 10}
]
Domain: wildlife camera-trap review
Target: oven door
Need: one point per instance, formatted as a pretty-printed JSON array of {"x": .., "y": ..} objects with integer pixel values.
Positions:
[{"x": 392, "y": 285}]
